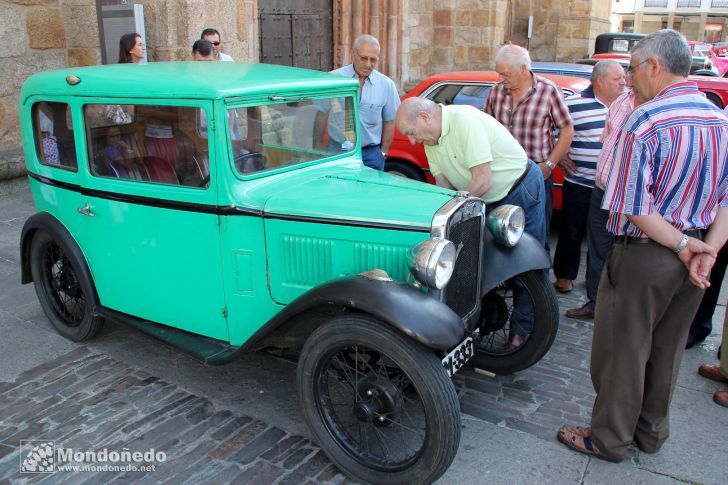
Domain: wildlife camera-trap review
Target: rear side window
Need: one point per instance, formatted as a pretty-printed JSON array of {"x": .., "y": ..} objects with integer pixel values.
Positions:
[
  {"x": 55, "y": 143},
  {"x": 148, "y": 143},
  {"x": 470, "y": 94}
]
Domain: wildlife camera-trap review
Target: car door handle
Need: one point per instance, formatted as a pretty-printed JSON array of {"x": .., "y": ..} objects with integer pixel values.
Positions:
[{"x": 85, "y": 210}]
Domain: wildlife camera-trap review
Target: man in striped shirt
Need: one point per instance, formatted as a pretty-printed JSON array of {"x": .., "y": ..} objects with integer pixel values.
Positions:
[
  {"x": 668, "y": 180},
  {"x": 532, "y": 108},
  {"x": 588, "y": 110}
]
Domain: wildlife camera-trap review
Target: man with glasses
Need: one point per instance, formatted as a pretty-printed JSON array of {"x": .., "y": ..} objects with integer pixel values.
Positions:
[
  {"x": 532, "y": 108},
  {"x": 213, "y": 37},
  {"x": 668, "y": 181},
  {"x": 378, "y": 103}
]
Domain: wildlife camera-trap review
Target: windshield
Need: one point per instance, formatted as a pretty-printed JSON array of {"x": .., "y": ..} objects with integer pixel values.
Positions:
[{"x": 293, "y": 132}]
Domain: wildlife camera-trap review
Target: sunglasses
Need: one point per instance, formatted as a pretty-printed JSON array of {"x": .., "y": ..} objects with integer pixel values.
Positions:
[{"x": 215, "y": 43}]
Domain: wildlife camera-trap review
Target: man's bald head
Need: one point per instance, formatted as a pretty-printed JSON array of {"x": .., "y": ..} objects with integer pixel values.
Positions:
[{"x": 419, "y": 119}]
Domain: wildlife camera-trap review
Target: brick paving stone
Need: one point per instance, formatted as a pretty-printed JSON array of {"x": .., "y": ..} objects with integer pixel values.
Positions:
[
  {"x": 177, "y": 467},
  {"x": 308, "y": 469},
  {"x": 181, "y": 401},
  {"x": 5, "y": 450},
  {"x": 239, "y": 439},
  {"x": 283, "y": 448},
  {"x": 230, "y": 428},
  {"x": 545, "y": 432},
  {"x": 201, "y": 412},
  {"x": 298, "y": 457},
  {"x": 259, "y": 473},
  {"x": 260, "y": 444}
]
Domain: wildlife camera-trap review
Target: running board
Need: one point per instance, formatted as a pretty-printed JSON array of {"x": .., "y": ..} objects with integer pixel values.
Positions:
[{"x": 207, "y": 350}]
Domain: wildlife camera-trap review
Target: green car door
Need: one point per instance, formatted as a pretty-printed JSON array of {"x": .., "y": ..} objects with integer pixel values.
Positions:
[{"x": 151, "y": 197}]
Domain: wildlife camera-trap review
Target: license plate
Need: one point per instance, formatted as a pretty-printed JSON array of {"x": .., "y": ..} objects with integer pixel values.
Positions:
[{"x": 459, "y": 356}]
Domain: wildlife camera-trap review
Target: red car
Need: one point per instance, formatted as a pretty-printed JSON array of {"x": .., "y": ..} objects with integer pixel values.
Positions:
[{"x": 466, "y": 87}]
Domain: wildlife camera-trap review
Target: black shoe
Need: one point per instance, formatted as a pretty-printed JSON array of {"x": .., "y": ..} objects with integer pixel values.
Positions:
[{"x": 692, "y": 341}]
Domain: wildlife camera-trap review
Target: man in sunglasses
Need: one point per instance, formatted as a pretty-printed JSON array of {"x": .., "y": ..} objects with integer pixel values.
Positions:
[{"x": 213, "y": 37}]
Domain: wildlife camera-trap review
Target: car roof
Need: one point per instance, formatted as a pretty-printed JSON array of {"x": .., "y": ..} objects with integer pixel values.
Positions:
[
  {"x": 200, "y": 80},
  {"x": 492, "y": 76},
  {"x": 563, "y": 68}
]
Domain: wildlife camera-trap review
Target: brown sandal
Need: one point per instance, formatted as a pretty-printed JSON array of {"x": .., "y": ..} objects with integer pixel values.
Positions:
[{"x": 579, "y": 439}]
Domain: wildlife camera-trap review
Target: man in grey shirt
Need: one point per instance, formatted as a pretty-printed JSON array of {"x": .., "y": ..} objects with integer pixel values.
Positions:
[{"x": 378, "y": 103}]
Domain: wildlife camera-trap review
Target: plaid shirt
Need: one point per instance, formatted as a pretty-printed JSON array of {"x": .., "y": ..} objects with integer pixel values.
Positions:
[
  {"x": 533, "y": 120},
  {"x": 617, "y": 116},
  {"x": 671, "y": 158}
]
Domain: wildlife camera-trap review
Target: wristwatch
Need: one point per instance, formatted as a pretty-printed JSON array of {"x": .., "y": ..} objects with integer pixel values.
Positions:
[
  {"x": 682, "y": 244},
  {"x": 384, "y": 154},
  {"x": 551, "y": 165}
]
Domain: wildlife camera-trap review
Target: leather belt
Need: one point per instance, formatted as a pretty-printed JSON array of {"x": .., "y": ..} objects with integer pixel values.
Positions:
[
  {"x": 373, "y": 145},
  {"x": 696, "y": 233},
  {"x": 520, "y": 179}
]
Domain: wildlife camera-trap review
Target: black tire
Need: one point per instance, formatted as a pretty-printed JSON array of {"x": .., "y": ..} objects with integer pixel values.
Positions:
[
  {"x": 493, "y": 352},
  {"x": 714, "y": 99},
  {"x": 404, "y": 169},
  {"x": 381, "y": 405},
  {"x": 64, "y": 291}
]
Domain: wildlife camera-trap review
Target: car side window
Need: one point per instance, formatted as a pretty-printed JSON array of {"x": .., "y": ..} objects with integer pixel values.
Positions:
[
  {"x": 55, "y": 142},
  {"x": 147, "y": 143},
  {"x": 470, "y": 94}
]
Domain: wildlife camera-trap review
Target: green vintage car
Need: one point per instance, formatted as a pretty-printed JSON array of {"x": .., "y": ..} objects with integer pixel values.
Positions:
[{"x": 196, "y": 202}]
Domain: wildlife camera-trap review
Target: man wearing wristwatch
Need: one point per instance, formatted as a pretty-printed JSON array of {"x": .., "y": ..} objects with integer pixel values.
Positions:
[
  {"x": 667, "y": 182},
  {"x": 531, "y": 107}
]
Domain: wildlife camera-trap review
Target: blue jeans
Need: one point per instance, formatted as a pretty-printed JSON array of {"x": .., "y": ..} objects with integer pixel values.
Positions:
[
  {"x": 530, "y": 194},
  {"x": 373, "y": 157}
]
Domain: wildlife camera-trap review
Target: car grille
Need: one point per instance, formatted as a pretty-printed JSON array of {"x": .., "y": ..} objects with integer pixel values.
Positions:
[{"x": 465, "y": 230}]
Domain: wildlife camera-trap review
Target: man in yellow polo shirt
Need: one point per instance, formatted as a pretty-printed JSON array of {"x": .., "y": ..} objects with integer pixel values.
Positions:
[{"x": 469, "y": 150}]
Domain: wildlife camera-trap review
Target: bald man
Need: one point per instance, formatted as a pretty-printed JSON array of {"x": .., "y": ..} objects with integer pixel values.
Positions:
[{"x": 469, "y": 150}]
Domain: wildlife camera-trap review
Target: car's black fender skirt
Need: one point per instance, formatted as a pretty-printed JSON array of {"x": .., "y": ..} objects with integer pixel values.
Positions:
[
  {"x": 501, "y": 263},
  {"x": 410, "y": 310},
  {"x": 46, "y": 222}
]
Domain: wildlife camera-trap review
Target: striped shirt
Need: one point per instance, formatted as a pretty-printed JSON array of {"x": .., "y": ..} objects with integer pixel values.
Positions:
[
  {"x": 533, "y": 120},
  {"x": 618, "y": 114},
  {"x": 672, "y": 158},
  {"x": 588, "y": 114}
]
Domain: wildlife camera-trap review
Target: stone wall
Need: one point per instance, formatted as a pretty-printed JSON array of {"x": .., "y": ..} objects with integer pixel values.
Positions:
[{"x": 565, "y": 31}]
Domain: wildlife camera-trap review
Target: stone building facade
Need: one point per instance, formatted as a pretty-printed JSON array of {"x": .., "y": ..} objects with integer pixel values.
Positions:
[{"x": 418, "y": 37}]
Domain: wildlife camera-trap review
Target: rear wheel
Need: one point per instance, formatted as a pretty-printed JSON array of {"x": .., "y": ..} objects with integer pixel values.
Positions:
[
  {"x": 381, "y": 406},
  {"x": 62, "y": 288},
  {"x": 497, "y": 322},
  {"x": 404, "y": 169}
]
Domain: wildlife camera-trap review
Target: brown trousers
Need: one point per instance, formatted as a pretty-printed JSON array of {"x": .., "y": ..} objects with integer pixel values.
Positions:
[{"x": 645, "y": 304}]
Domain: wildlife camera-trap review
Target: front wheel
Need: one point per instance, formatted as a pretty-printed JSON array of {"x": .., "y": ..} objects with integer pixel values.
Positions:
[
  {"x": 380, "y": 405},
  {"x": 526, "y": 300}
]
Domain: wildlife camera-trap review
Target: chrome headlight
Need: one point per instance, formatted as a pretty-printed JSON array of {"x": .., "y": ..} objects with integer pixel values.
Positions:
[
  {"x": 507, "y": 223},
  {"x": 432, "y": 262}
]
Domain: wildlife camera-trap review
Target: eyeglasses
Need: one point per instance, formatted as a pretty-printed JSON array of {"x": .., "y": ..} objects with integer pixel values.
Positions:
[
  {"x": 215, "y": 43},
  {"x": 631, "y": 69}
]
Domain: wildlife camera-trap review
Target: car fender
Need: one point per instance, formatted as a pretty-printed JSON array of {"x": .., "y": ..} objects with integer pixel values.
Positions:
[
  {"x": 410, "y": 310},
  {"x": 45, "y": 221},
  {"x": 501, "y": 263}
]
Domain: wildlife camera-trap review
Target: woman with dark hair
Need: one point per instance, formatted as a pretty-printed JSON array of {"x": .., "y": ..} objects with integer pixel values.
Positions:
[{"x": 131, "y": 48}]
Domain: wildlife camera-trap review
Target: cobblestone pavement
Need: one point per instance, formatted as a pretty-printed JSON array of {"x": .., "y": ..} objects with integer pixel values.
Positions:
[{"x": 86, "y": 401}]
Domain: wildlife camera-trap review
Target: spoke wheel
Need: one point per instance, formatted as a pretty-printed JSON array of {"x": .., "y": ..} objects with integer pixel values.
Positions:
[
  {"x": 62, "y": 289},
  {"x": 381, "y": 405},
  {"x": 499, "y": 318}
]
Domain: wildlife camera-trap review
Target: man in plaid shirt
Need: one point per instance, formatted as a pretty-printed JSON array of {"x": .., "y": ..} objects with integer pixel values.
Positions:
[{"x": 531, "y": 107}]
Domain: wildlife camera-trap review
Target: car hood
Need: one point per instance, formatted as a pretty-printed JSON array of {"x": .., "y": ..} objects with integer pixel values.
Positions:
[{"x": 360, "y": 197}]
